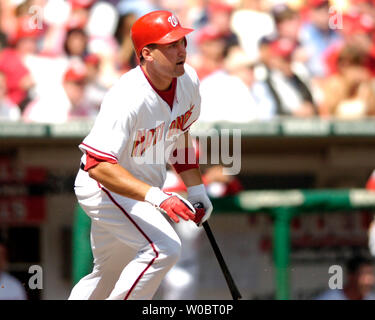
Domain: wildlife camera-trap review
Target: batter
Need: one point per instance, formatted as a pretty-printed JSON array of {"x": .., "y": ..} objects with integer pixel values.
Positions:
[{"x": 143, "y": 123}]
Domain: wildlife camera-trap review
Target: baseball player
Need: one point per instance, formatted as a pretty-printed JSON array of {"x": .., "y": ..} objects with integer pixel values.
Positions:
[{"x": 142, "y": 125}]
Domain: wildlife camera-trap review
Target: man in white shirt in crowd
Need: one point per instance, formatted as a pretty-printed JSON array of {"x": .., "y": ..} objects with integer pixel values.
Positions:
[
  {"x": 10, "y": 287},
  {"x": 359, "y": 282},
  {"x": 226, "y": 93}
]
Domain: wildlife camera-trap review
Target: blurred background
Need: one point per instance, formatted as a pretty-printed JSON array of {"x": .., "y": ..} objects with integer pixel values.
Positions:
[{"x": 297, "y": 77}]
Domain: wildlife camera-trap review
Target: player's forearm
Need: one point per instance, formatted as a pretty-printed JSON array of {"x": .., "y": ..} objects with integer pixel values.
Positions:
[
  {"x": 191, "y": 177},
  {"x": 117, "y": 179}
]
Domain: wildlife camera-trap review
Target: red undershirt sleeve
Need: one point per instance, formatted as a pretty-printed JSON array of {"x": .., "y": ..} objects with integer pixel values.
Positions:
[{"x": 93, "y": 159}]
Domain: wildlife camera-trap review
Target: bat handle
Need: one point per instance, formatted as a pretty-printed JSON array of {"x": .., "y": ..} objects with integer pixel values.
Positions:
[{"x": 233, "y": 288}]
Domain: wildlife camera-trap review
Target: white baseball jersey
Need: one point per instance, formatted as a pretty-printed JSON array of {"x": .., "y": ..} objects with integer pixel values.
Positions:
[
  {"x": 133, "y": 244},
  {"x": 137, "y": 128}
]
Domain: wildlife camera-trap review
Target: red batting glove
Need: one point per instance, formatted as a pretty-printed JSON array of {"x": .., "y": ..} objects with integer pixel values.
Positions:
[{"x": 170, "y": 204}]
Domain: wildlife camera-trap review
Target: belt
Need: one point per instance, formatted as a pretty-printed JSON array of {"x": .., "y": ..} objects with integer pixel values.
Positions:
[{"x": 82, "y": 166}]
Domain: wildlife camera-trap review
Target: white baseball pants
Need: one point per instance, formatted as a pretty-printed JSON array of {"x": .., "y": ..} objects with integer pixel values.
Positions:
[{"x": 133, "y": 245}]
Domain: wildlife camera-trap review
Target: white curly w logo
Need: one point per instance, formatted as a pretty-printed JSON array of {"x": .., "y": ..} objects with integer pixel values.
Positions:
[{"x": 173, "y": 21}]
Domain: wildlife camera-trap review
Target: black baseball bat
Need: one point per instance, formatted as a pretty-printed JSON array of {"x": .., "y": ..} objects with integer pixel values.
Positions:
[{"x": 236, "y": 295}]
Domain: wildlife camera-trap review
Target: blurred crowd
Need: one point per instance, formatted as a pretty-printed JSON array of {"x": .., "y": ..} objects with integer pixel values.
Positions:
[{"x": 256, "y": 59}]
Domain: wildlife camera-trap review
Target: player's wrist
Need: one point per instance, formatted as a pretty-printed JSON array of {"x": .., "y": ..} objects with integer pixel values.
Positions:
[
  {"x": 155, "y": 196},
  {"x": 197, "y": 194},
  {"x": 196, "y": 190}
]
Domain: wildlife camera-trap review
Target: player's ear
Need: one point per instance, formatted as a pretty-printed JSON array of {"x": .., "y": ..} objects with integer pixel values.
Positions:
[{"x": 146, "y": 53}]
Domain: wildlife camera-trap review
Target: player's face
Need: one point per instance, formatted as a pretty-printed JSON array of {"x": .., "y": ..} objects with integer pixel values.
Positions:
[{"x": 169, "y": 58}]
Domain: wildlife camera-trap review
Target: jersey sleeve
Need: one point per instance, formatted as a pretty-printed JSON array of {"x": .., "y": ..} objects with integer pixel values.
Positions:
[{"x": 112, "y": 128}]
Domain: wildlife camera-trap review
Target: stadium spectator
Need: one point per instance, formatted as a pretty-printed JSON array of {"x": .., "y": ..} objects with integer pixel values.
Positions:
[
  {"x": 288, "y": 24},
  {"x": 211, "y": 54},
  {"x": 317, "y": 36},
  {"x": 196, "y": 15},
  {"x": 179, "y": 8},
  {"x": 349, "y": 93},
  {"x": 7, "y": 18},
  {"x": 68, "y": 103},
  {"x": 18, "y": 78},
  {"x": 138, "y": 7},
  {"x": 366, "y": 11},
  {"x": 94, "y": 90},
  {"x": 101, "y": 28},
  {"x": 287, "y": 21},
  {"x": 75, "y": 81},
  {"x": 75, "y": 45},
  {"x": 8, "y": 110},
  {"x": 287, "y": 90},
  {"x": 79, "y": 15},
  {"x": 219, "y": 15},
  {"x": 358, "y": 31},
  {"x": 251, "y": 21},
  {"x": 359, "y": 282},
  {"x": 78, "y": 28},
  {"x": 10, "y": 287},
  {"x": 126, "y": 58},
  {"x": 214, "y": 39},
  {"x": 226, "y": 94}
]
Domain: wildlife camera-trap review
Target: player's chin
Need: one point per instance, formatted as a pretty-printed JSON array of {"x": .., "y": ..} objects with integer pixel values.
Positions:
[{"x": 180, "y": 69}]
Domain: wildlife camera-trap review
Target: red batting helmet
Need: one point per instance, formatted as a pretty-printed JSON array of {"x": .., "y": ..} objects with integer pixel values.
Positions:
[{"x": 159, "y": 27}]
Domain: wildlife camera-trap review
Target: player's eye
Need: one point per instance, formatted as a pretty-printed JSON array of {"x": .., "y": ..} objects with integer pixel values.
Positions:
[
  {"x": 173, "y": 44},
  {"x": 176, "y": 43}
]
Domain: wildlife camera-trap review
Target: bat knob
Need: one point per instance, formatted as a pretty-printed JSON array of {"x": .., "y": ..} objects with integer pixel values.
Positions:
[
  {"x": 198, "y": 205},
  {"x": 199, "y": 212}
]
